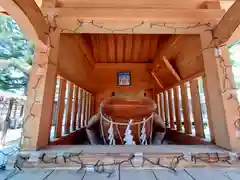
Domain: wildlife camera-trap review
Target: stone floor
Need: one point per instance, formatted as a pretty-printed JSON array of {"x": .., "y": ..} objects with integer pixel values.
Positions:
[{"x": 138, "y": 174}]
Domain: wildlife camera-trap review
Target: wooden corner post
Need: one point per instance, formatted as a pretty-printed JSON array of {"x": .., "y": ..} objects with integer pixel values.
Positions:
[
  {"x": 219, "y": 87},
  {"x": 41, "y": 92}
]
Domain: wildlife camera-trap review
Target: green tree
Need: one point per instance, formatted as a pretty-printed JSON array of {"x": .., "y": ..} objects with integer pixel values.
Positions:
[
  {"x": 234, "y": 52},
  {"x": 17, "y": 52}
]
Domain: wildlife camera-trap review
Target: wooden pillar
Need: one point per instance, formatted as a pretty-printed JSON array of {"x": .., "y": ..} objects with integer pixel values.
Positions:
[
  {"x": 75, "y": 107},
  {"x": 158, "y": 104},
  {"x": 166, "y": 117},
  {"x": 84, "y": 108},
  {"x": 170, "y": 105},
  {"x": 223, "y": 108},
  {"x": 60, "y": 108},
  {"x": 41, "y": 92},
  {"x": 69, "y": 108},
  {"x": 92, "y": 105},
  {"x": 161, "y": 106},
  {"x": 196, "y": 108},
  {"x": 80, "y": 120},
  {"x": 89, "y": 106},
  {"x": 177, "y": 108},
  {"x": 210, "y": 121},
  {"x": 186, "y": 113}
]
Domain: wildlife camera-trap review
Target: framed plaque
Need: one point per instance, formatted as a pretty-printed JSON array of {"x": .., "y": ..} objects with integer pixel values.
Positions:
[{"x": 124, "y": 79}]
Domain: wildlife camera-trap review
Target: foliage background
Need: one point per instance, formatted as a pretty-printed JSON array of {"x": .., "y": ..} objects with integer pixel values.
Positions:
[{"x": 18, "y": 51}]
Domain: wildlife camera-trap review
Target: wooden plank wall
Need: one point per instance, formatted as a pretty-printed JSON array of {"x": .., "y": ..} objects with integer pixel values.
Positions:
[
  {"x": 73, "y": 109},
  {"x": 184, "y": 101}
]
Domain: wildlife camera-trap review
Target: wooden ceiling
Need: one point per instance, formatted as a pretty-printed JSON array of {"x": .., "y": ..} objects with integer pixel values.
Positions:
[
  {"x": 93, "y": 60},
  {"x": 119, "y": 48}
]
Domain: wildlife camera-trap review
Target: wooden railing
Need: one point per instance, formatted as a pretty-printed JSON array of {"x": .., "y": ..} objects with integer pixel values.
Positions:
[
  {"x": 184, "y": 108},
  {"x": 12, "y": 109},
  {"x": 72, "y": 109}
]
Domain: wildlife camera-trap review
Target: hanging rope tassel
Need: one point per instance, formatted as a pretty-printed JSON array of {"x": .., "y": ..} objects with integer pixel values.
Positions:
[
  {"x": 128, "y": 138},
  {"x": 111, "y": 135},
  {"x": 143, "y": 134}
]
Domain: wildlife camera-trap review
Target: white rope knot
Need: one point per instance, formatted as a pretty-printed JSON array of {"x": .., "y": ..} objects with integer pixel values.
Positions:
[
  {"x": 128, "y": 138},
  {"x": 111, "y": 135},
  {"x": 143, "y": 137}
]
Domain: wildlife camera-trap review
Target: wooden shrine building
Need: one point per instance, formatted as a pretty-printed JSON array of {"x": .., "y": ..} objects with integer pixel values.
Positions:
[{"x": 166, "y": 48}]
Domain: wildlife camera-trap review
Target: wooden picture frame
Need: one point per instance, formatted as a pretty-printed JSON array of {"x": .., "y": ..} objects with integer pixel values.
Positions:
[{"x": 124, "y": 79}]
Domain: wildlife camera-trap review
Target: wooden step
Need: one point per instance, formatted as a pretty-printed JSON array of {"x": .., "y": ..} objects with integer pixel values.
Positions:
[{"x": 99, "y": 158}]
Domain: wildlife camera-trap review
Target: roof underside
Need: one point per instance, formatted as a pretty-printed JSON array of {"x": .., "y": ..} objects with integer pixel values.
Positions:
[
  {"x": 139, "y": 52},
  {"x": 119, "y": 48}
]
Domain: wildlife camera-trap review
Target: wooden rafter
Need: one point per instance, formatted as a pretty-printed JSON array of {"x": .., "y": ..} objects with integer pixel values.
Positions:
[
  {"x": 86, "y": 49},
  {"x": 171, "y": 69},
  {"x": 228, "y": 23},
  {"x": 157, "y": 79},
  {"x": 164, "y": 50}
]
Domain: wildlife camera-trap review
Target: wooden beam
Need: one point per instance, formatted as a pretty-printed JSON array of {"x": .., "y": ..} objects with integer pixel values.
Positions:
[
  {"x": 60, "y": 108},
  {"x": 230, "y": 21},
  {"x": 171, "y": 69},
  {"x": 187, "y": 4},
  {"x": 190, "y": 77},
  {"x": 86, "y": 49},
  {"x": 186, "y": 113},
  {"x": 196, "y": 109},
  {"x": 123, "y": 66},
  {"x": 165, "y": 50},
  {"x": 157, "y": 80},
  {"x": 69, "y": 108},
  {"x": 157, "y": 15}
]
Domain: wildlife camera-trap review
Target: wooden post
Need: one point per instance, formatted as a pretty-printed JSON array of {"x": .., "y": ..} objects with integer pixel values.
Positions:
[
  {"x": 60, "y": 108},
  {"x": 75, "y": 108},
  {"x": 158, "y": 105},
  {"x": 223, "y": 107},
  {"x": 161, "y": 106},
  {"x": 170, "y": 105},
  {"x": 186, "y": 113},
  {"x": 93, "y": 105},
  {"x": 86, "y": 108},
  {"x": 210, "y": 122},
  {"x": 41, "y": 91},
  {"x": 69, "y": 108},
  {"x": 83, "y": 108},
  {"x": 166, "y": 108},
  {"x": 80, "y": 121},
  {"x": 89, "y": 106},
  {"x": 177, "y": 108},
  {"x": 196, "y": 108}
]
